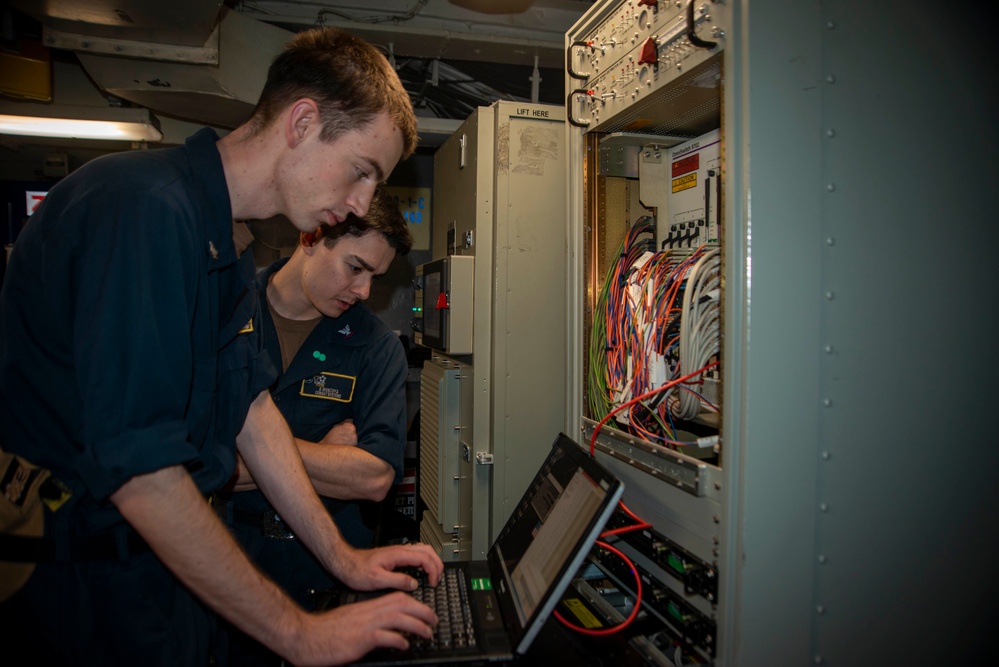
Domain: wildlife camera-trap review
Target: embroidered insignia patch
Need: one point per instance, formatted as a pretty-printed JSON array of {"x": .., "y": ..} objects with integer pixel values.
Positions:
[
  {"x": 346, "y": 331},
  {"x": 330, "y": 386},
  {"x": 248, "y": 328}
]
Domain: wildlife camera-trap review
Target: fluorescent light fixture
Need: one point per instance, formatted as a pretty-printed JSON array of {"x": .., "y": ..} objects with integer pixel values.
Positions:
[{"x": 77, "y": 122}]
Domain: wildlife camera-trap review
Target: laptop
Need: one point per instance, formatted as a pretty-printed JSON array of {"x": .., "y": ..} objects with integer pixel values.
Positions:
[{"x": 501, "y": 603}]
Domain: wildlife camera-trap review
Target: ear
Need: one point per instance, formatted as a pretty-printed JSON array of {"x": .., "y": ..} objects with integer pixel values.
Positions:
[
  {"x": 301, "y": 118},
  {"x": 308, "y": 240}
]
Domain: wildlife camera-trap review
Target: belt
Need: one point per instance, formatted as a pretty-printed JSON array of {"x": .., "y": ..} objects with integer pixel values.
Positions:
[
  {"x": 20, "y": 549},
  {"x": 270, "y": 524}
]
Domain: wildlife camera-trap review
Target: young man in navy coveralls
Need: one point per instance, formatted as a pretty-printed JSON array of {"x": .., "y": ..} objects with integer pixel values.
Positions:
[
  {"x": 128, "y": 367},
  {"x": 341, "y": 389}
]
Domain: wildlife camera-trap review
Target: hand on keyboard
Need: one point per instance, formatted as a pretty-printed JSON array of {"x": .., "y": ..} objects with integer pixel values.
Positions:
[
  {"x": 347, "y": 633},
  {"x": 449, "y": 600},
  {"x": 374, "y": 569}
]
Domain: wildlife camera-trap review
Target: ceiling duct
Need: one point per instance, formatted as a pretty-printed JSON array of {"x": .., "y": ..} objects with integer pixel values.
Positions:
[
  {"x": 191, "y": 59},
  {"x": 205, "y": 61},
  {"x": 222, "y": 93},
  {"x": 178, "y": 22}
]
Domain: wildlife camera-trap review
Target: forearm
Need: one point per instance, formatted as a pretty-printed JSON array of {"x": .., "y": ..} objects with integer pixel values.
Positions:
[
  {"x": 346, "y": 472},
  {"x": 269, "y": 452},
  {"x": 166, "y": 508}
]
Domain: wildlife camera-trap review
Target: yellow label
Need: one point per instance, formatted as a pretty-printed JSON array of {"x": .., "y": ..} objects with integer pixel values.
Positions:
[
  {"x": 685, "y": 182},
  {"x": 585, "y": 616}
]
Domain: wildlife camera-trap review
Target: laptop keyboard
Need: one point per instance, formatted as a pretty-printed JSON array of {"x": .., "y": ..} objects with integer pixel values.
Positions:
[{"x": 455, "y": 628}]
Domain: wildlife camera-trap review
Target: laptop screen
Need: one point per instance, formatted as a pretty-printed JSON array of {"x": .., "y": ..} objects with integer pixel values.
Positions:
[{"x": 549, "y": 534}]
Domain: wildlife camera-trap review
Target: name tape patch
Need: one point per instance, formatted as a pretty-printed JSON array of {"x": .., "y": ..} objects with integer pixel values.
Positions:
[{"x": 329, "y": 386}]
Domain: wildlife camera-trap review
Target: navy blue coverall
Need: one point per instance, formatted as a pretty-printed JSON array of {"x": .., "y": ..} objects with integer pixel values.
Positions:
[
  {"x": 350, "y": 367},
  {"x": 124, "y": 349}
]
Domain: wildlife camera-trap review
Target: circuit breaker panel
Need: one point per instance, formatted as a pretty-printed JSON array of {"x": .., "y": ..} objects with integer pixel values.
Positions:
[{"x": 499, "y": 242}]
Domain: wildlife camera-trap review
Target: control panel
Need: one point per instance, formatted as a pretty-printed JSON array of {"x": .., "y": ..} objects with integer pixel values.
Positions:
[
  {"x": 634, "y": 50},
  {"x": 443, "y": 304}
]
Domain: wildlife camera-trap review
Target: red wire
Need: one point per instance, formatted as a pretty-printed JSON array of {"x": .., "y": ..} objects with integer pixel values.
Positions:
[
  {"x": 671, "y": 383},
  {"x": 638, "y": 525},
  {"x": 626, "y": 622}
]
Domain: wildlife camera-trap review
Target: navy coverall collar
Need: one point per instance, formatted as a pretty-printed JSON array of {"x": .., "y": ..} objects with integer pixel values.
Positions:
[
  {"x": 206, "y": 161},
  {"x": 350, "y": 329}
]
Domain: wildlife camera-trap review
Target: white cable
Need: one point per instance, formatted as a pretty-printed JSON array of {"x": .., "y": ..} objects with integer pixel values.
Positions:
[{"x": 699, "y": 327}]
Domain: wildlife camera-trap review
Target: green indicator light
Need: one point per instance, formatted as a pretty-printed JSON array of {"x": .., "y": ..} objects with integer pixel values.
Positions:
[
  {"x": 482, "y": 584},
  {"x": 674, "y": 611},
  {"x": 675, "y": 563}
]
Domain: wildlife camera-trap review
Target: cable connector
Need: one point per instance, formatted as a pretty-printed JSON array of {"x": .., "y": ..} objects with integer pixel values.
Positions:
[{"x": 708, "y": 441}]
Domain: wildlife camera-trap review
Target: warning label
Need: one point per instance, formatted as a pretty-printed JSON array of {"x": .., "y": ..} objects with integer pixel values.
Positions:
[
  {"x": 684, "y": 182},
  {"x": 686, "y": 165},
  {"x": 584, "y": 615}
]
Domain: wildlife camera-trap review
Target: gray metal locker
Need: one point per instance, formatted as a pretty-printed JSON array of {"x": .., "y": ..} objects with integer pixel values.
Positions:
[{"x": 499, "y": 199}]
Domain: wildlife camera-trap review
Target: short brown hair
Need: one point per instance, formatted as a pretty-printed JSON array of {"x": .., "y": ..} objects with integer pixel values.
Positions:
[
  {"x": 350, "y": 80},
  {"x": 383, "y": 217}
]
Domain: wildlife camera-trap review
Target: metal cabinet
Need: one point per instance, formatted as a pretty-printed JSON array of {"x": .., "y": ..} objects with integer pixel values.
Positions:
[
  {"x": 499, "y": 198},
  {"x": 848, "y": 516}
]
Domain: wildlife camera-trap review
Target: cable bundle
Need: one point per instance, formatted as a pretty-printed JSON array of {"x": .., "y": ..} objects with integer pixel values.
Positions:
[
  {"x": 656, "y": 318},
  {"x": 699, "y": 326}
]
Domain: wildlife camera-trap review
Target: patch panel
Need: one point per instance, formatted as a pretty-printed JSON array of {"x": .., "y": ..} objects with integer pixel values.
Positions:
[
  {"x": 695, "y": 629},
  {"x": 697, "y": 577},
  {"x": 649, "y": 639}
]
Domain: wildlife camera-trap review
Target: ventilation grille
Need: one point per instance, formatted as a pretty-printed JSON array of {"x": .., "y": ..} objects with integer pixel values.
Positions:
[{"x": 431, "y": 384}]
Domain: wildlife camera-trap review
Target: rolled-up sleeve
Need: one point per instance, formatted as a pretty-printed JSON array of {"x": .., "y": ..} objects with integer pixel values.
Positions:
[{"x": 136, "y": 295}]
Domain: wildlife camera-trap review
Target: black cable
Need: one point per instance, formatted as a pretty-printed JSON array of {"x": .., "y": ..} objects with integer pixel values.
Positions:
[{"x": 692, "y": 33}]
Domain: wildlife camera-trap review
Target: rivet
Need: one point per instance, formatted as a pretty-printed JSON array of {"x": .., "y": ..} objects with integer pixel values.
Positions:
[
  {"x": 823, "y": 507},
  {"x": 831, "y": 187},
  {"x": 830, "y": 78},
  {"x": 829, "y": 349},
  {"x": 830, "y": 241},
  {"x": 827, "y": 402},
  {"x": 831, "y": 25},
  {"x": 830, "y": 133},
  {"x": 830, "y": 296},
  {"x": 822, "y": 558},
  {"x": 820, "y": 609},
  {"x": 826, "y": 456},
  {"x": 818, "y": 660}
]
